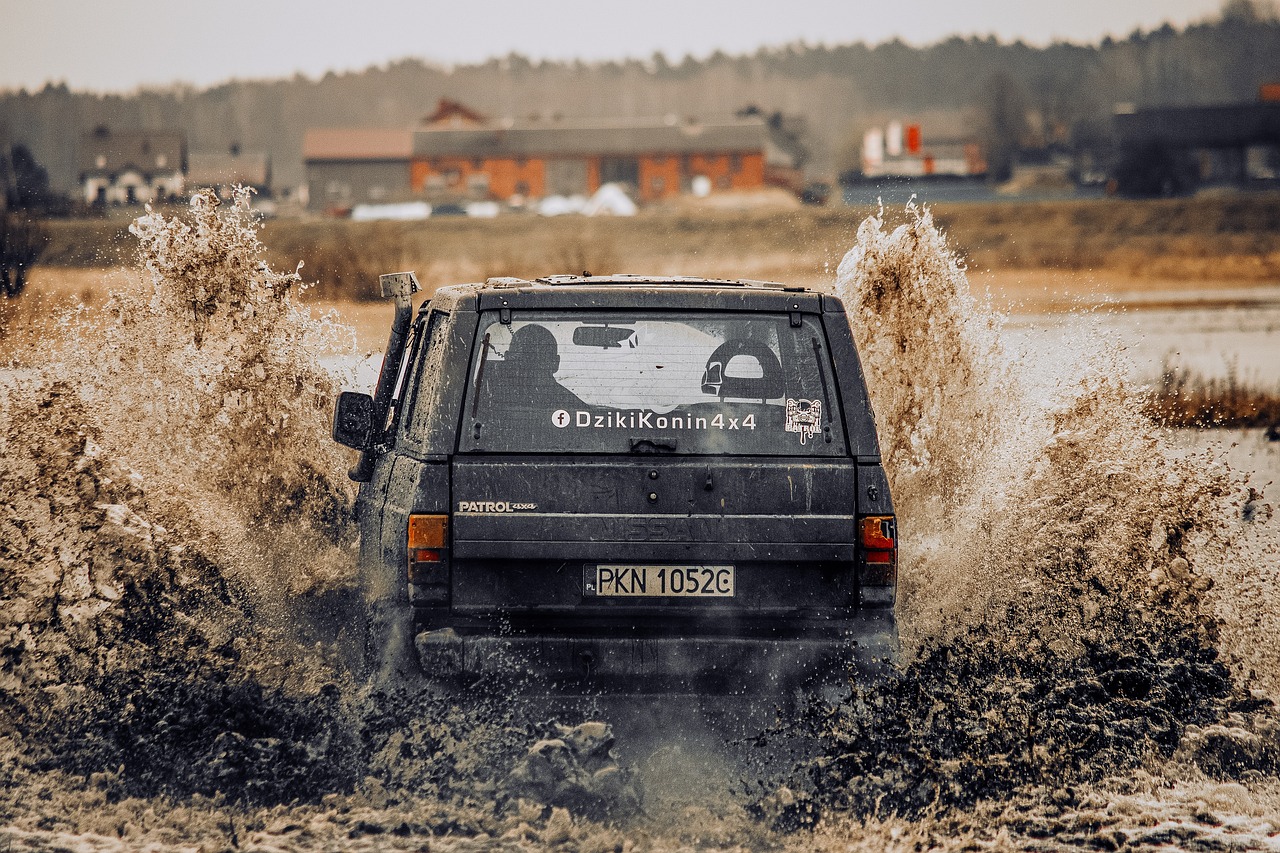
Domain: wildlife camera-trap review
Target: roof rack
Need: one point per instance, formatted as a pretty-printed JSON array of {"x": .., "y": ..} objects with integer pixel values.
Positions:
[{"x": 669, "y": 280}]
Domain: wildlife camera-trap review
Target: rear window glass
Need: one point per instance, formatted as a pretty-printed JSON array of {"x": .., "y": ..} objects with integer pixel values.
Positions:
[{"x": 694, "y": 383}]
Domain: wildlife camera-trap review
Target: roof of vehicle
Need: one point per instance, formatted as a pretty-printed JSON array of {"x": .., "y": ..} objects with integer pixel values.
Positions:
[
  {"x": 642, "y": 280},
  {"x": 623, "y": 291}
]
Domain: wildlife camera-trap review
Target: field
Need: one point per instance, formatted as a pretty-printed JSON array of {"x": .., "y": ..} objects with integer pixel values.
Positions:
[{"x": 1023, "y": 251}]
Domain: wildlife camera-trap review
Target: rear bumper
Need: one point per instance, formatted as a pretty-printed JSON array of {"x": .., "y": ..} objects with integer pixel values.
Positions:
[{"x": 663, "y": 663}]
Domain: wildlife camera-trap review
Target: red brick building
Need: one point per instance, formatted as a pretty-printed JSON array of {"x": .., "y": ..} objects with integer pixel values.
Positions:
[{"x": 458, "y": 153}]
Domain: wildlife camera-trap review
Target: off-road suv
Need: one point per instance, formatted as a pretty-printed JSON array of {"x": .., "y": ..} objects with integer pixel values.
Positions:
[{"x": 630, "y": 479}]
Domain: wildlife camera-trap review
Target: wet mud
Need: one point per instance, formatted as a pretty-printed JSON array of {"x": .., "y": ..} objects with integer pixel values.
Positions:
[{"x": 1089, "y": 614}]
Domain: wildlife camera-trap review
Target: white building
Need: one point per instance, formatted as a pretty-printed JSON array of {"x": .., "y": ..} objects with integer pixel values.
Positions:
[{"x": 132, "y": 167}]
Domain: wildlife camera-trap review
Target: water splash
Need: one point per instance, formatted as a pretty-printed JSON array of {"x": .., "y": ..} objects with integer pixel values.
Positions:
[
  {"x": 1068, "y": 579},
  {"x": 208, "y": 386},
  {"x": 126, "y": 649},
  {"x": 912, "y": 311},
  {"x": 1011, "y": 496},
  {"x": 169, "y": 492},
  {"x": 244, "y": 404},
  {"x": 174, "y": 514}
]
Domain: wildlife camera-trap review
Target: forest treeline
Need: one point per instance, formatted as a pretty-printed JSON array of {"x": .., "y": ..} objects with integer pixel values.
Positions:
[{"x": 965, "y": 86}]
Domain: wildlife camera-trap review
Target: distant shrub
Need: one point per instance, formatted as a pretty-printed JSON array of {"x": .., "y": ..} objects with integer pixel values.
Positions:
[
  {"x": 22, "y": 242},
  {"x": 1186, "y": 399},
  {"x": 341, "y": 260}
]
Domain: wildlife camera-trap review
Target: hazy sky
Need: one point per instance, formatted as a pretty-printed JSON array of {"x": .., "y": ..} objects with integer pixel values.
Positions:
[{"x": 117, "y": 45}]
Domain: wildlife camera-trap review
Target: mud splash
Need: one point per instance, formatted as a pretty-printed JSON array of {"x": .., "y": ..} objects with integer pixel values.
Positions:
[
  {"x": 1088, "y": 617},
  {"x": 1072, "y": 587},
  {"x": 176, "y": 567},
  {"x": 166, "y": 492},
  {"x": 1011, "y": 496}
]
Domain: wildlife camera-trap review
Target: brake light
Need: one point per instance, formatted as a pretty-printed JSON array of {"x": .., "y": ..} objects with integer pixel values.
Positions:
[
  {"x": 879, "y": 533},
  {"x": 428, "y": 552}
]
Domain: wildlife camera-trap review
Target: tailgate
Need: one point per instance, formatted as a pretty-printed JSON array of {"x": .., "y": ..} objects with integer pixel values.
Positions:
[
  {"x": 751, "y": 509},
  {"x": 525, "y": 529}
]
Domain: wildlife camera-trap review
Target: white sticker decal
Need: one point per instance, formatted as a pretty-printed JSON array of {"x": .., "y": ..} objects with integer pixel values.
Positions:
[
  {"x": 804, "y": 417},
  {"x": 635, "y": 419}
]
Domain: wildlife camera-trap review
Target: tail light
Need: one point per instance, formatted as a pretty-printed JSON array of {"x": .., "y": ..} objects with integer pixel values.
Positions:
[
  {"x": 428, "y": 552},
  {"x": 878, "y": 536}
]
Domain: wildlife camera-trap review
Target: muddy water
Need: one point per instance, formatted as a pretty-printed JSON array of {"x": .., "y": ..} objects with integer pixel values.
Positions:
[
  {"x": 1238, "y": 340},
  {"x": 1088, "y": 605}
]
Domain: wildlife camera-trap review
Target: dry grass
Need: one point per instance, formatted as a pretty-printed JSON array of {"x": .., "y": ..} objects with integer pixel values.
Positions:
[
  {"x": 1165, "y": 244},
  {"x": 1027, "y": 256},
  {"x": 1233, "y": 240},
  {"x": 1219, "y": 239},
  {"x": 28, "y": 321},
  {"x": 1186, "y": 399},
  {"x": 454, "y": 250}
]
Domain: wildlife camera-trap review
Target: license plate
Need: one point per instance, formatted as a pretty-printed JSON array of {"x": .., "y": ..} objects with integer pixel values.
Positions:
[{"x": 658, "y": 581}]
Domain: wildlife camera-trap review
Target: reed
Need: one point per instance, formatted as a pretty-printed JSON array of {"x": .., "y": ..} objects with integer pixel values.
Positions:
[{"x": 1184, "y": 398}]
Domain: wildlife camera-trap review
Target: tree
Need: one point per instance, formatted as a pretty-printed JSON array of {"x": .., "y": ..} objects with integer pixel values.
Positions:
[
  {"x": 30, "y": 180},
  {"x": 790, "y": 133},
  {"x": 22, "y": 242},
  {"x": 1004, "y": 118},
  {"x": 1249, "y": 11}
]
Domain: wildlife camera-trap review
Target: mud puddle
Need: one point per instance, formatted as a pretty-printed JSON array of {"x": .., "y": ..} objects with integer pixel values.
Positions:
[{"x": 1088, "y": 608}]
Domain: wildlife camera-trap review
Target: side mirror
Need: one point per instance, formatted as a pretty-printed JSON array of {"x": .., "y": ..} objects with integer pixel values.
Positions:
[{"x": 353, "y": 420}]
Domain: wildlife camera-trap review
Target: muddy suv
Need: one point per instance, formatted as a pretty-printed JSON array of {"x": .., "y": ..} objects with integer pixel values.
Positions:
[{"x": 624, "y": 479}]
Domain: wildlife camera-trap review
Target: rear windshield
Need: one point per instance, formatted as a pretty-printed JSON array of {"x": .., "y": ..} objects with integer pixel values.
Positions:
[{"x": 689, "y": 383}]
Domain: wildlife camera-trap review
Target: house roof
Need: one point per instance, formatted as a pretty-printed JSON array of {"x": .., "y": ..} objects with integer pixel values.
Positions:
[
  {"x": 568, "y": 138},
  {"x": 450, "y": 112},
  {"x": 1213, "y": 126},
  {"x": 106, "y": 151},
  {"x": 217, "y": 168},
  {"x": 556, "y": 138},
  {"x": 362, "y": 143}
]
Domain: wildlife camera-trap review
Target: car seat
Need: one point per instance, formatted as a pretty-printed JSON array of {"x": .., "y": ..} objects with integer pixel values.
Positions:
[{"x": 766, "y": 386}]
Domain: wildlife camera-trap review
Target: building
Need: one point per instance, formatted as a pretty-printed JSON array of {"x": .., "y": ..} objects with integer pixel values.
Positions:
[
  {"x": 345, "y": 167},
  {"x": 459, "y": 154},
  {"x": 1176, "y": 149},
  {"x": 132, "y": 167},
  {"x": 901, "y": 151},
  {"x": 222, "y": 170}
]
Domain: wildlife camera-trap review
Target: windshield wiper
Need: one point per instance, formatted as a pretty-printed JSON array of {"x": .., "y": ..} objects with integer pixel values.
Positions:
[
  {"x": 826, "y": 393},
  {"x": 485, "y": 346}
]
